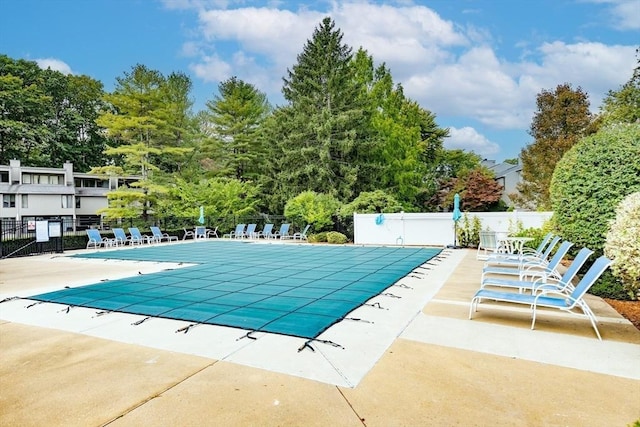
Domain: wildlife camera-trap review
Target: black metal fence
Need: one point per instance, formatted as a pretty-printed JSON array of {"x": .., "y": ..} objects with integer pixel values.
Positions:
[{"x": 19, "y": 238}]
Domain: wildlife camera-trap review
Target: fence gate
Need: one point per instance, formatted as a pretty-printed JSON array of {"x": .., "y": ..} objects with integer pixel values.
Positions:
[{"x": 23, "y": 238}]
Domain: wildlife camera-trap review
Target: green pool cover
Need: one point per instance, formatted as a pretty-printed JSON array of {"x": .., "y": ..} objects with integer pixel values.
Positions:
[{"x": 298, "y": 290}]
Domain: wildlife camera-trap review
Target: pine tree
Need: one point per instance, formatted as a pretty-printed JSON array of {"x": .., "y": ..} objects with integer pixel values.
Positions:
[
  {"x": 321, "y": 139},
  {"x": 235, "y": 117}
]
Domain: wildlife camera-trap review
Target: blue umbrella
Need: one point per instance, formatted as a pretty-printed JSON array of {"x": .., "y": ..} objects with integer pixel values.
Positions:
[
  {"x": 456, "y": 208},
  {"x": 201, "y": 219},
  {"x": 456, "y": 217}
]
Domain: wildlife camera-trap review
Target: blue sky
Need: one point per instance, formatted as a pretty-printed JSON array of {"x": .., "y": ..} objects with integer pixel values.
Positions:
[{"x": 477, "y": 64}]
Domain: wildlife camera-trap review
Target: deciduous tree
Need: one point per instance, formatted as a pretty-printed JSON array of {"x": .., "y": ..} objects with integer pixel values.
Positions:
[{"x": 562, "y": 118}]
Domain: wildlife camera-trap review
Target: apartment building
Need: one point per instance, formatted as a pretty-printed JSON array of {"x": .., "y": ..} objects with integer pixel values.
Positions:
[{"x": 36, "y": 193}]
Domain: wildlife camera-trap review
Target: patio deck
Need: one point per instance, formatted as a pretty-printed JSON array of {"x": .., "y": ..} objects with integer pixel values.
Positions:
[{"x": 438, "y": 369}]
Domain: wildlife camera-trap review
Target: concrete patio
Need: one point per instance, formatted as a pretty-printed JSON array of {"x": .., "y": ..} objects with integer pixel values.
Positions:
[{"x": 421, "y": 363}]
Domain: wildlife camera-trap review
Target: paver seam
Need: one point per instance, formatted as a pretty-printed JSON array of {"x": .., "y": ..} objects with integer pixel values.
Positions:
[
  {"x": 360, "y": 418},
  {"x": 158, "y": 394}
]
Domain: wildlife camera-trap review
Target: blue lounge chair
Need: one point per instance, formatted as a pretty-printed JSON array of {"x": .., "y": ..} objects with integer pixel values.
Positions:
[
  {"x": 96, "y": 239},
  {"x": 301, "y": 235},
  {"x": 539, "y": 267},
  {"x": 538, "y": 282},
  {"x": 517, "y": 260},
  {"x": 121, "y": 237},
  {"x": 551, "y": 298},
  {"x": 137, "y": 237},
  {"x": 537, "y": 252},
  {"x": 266, "y": 232},
  {"x": 238, "y": 233},
  {"x": 283, "y": 233},
  {"x": 250, "y": 232},
  {"x": 160, "y": 236}
]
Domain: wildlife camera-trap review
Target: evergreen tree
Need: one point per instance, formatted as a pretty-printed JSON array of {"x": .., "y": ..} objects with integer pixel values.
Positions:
[
  {"x": 142, "y": 130},
  {"x": 321, "y": 141},
  {"x": 235, "y": 117}
]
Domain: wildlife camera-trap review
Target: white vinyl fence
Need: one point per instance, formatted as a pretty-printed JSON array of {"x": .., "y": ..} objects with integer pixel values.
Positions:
[{"x": 433, "y": 229}]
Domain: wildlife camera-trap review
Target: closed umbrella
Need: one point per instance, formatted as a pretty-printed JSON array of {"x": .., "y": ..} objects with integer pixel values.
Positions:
[
  {"x": 456, "y": 217},
  {"x": 201, "y": 219}
]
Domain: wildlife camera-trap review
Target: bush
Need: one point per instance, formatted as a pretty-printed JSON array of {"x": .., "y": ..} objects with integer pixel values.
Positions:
[
  {"x": 336, "y": 238},
  {"x": 318, "y": 237},
  {"x": 608, "y": 286},
  {"x": 591, "y": 179},
  {"x": 469, "y": 231},
  {"x": 312, "y": 208},
  {"x": 623, "y": 245}
]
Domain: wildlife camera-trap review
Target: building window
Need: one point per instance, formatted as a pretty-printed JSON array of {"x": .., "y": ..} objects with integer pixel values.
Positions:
[
  {"x": 66, "y": 201},
  {"x": 4, "y": 176},
  {"x": 8, "y": 200},
  {"x": 25, "y": 201},
  {"x": 78, "y": 202}
]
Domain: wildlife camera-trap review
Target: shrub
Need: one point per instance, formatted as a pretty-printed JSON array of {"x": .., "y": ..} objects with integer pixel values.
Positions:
[
  {"x": 318, "y": 237},
  {"x": 591, "y": 179},
  {"x": 608, "y": 286},
  {"x": 336, "y": 238},
  {"x": 312, "y": 208},
  {"x": 623, "y": 245},
  {"x": 469, "y": 231}
]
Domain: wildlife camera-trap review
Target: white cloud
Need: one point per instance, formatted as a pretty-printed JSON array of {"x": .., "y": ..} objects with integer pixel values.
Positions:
[
  {"x": 625, "y": 14},
  {"x": 54, "y": 64},
  {"x": 467, "y": 138},
  {"x": 212, "y": 69},
  {"x": 451, "y": 70}
]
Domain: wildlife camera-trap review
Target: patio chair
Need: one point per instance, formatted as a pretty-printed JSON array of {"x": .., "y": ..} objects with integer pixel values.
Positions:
[
  {"x": 301, "y": 235},
  {"x": 489, "y": 244},
  {"x": 96, "y": 239},
  {"x": 188, "y": 233},
  {"x": 200, "y": 232},
  {"x": 284, "y": 231},
  {"x": 551, "y": 298},
  {"x": 539, "y": 267},
  {"x": 137, "y": 237},
  {"x": 212, "y": 233},
  {"x": 536, "y": 282},
  {"x": 238, "y": 233},
  {"x": 160, "y": 236},
  {"x": 250, "y": 232},
  {"x": 266, "y": 232},
  {"x": 122, "y": 238}
]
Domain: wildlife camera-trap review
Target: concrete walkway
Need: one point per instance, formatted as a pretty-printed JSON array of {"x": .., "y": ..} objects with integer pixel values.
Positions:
[{"x": 418, "y": 362}]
